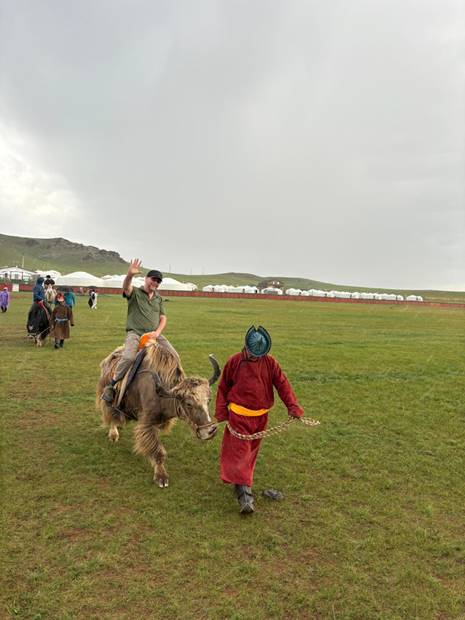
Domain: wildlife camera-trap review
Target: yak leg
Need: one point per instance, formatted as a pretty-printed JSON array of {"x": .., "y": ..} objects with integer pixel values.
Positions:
[
  {"x": 113, "y": 434},
  {"x": 148, "y": 444}
]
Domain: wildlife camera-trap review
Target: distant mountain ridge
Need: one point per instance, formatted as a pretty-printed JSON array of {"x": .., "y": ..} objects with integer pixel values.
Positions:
[
  {"x": 60, "y": 254},
  {"x": 67, "y": 256}
]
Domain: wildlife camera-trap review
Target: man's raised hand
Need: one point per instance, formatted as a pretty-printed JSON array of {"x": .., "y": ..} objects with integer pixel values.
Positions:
[{"x": 134, "y": 267}]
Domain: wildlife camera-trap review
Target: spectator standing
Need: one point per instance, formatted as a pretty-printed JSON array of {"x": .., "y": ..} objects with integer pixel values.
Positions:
[
  {"x": 62, "y": 318},
  {"x": 70, "y": 298},
  {"x": 4, "y": 299}
]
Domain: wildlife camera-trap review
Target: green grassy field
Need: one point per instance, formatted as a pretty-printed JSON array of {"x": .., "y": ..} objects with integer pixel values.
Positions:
[{"x": 372, "y": 523}]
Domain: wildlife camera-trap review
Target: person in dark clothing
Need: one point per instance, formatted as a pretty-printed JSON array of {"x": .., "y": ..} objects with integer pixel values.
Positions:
[{"x": 38, "y": 296}]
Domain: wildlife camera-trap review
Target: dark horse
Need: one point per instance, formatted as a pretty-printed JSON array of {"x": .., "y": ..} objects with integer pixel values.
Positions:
[{"x": 38, "y": 323}]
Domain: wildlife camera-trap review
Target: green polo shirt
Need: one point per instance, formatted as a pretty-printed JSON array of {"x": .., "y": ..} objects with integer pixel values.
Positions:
[{"x": 143, "y": 313}]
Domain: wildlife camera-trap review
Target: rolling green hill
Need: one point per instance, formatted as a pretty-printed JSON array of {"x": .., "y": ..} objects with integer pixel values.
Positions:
[
  {"x": 59, "y": 254},
  {"x": 66, "y": 256}
]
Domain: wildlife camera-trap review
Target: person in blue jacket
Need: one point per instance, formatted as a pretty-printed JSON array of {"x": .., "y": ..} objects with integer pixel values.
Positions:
[{"x": 70, "y": 298}]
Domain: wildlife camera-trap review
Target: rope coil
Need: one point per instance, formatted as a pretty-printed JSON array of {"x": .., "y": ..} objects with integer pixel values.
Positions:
[{"x": 272, "y": 431}]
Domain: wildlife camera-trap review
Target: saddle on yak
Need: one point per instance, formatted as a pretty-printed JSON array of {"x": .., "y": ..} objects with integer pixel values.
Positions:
[{"x": 128, "y": 378}]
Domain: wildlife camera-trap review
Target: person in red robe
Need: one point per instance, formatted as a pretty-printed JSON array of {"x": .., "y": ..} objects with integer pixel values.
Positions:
[{"x": 244, "y": 398}]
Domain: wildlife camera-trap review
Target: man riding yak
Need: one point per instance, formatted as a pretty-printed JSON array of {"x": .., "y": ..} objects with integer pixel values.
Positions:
[
  {"x": 156, "y": 391},
  {"x": 244, "y": 398},
  {"x": 146, "y": 317}
]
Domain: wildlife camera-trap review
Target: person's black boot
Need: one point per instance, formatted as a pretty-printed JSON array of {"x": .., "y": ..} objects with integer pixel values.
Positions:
[{"x": 245, "y": 499}]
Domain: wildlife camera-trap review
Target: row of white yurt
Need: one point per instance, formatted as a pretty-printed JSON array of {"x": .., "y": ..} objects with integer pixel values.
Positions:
[
  {"x": 224, "y": 288},
  {"x": 168, "y": 284}
]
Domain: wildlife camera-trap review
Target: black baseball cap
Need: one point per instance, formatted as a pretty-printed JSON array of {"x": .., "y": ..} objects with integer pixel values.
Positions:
[{"x": 154, "y": 273}]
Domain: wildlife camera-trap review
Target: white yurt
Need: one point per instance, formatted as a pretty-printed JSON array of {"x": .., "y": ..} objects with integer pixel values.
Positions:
[
  {"x": 113, "y": 281},
  {"x": 208, "y": 288},
  {"x": 192, "y": 286},
  {"x": 79, "y": 278},
  {"x": 50, "y": 272},
  {"x": 400, "y": 297},
  {"x": 170, "y": 284},
  {"x": 220, "y": 288},
  {"x": 271, "y": 290},
  {"x": 293, "y": 291},
  {"x": 355, "y": 295},
  {"x": 252, "y": 290}
]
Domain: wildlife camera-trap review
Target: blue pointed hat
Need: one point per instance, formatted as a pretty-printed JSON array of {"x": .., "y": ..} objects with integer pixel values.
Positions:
[{"x": 257, "y": 341}]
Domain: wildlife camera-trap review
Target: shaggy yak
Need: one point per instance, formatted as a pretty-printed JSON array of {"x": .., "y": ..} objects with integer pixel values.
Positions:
[
  {"x": 159, "y": 394},
  {"x": 38, "y": 324}
]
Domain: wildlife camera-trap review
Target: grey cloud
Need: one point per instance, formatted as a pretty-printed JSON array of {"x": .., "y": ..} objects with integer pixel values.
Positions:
[{"x": 296, "y": 138}]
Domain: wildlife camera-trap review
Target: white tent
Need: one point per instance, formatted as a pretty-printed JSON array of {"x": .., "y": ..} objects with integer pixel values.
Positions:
[
  {"x": 79, "y": 278},
  {"x": 271, "y": 290},
  {"x": 170, "y": 284},
  {"x": 220, "y": 288},
  {"x": 113, "y": 281},
  {"x": 49, "y": 272}
]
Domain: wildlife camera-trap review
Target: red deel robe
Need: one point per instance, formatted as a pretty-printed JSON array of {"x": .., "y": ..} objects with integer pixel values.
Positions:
[{"x": 248, "y": 382}]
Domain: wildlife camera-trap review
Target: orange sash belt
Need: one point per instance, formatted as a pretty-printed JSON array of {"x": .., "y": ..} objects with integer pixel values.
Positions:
[{"x": 240, "y": 410}]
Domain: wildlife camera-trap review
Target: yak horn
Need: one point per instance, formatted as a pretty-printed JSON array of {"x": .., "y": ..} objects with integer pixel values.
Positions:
[{"x": 216, "y": 369}]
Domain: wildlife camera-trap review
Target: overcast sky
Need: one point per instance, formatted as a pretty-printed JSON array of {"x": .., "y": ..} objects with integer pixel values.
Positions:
[{"x": 316, "y": 138}]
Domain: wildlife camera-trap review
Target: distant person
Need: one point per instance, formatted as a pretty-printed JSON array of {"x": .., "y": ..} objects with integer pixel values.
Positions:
[
  {"x": 4, "y": 299},
  {"x": 38, "y": 296},
  {"x": 146, "y": 316},
  {"x": 49, "y": 281},
  {"x": 92, "y": 301},
  {"x": 62, "y": 318},
  {"x": 38, "y": 292},
  {"x": 70, "y": 298},
  {"x": 244, "y": 398}
]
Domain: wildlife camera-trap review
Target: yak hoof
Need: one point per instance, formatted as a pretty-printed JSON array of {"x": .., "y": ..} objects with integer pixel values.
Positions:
[
  {"x": 113, "y": 435},
  {"x": 162, "y": 481}
]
